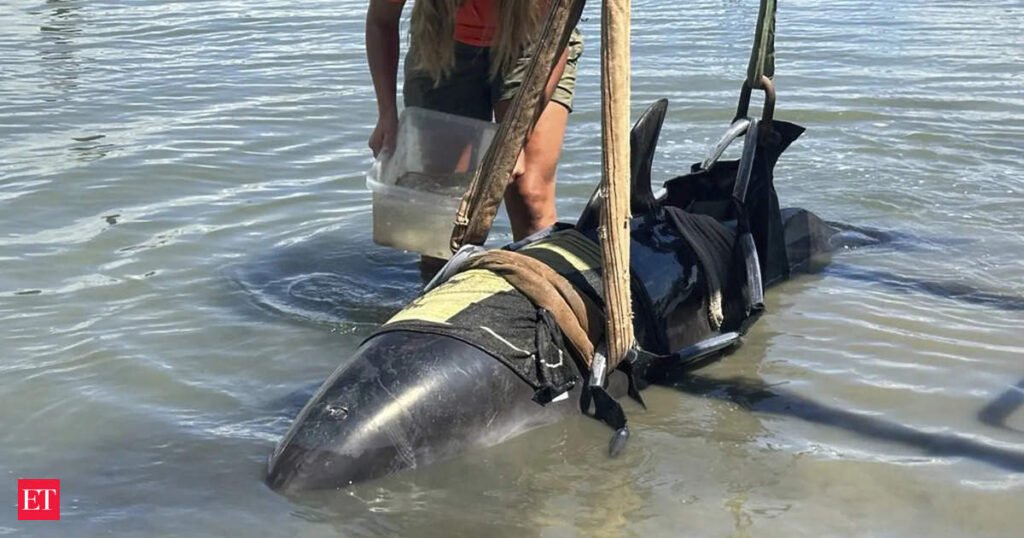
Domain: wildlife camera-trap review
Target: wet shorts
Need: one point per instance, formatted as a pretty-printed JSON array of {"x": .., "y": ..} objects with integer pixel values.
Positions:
[{"x": 469, "y": 91}]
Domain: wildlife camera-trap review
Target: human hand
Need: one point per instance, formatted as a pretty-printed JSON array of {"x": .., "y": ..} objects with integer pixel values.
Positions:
[{"x": 384, "y": 134}]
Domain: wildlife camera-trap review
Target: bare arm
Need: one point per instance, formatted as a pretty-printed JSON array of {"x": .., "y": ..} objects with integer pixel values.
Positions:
[{"x": 382, "y": 52}]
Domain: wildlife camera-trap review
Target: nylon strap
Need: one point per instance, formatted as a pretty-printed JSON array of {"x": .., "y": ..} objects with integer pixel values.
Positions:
[{"x": 577, "y": 316}]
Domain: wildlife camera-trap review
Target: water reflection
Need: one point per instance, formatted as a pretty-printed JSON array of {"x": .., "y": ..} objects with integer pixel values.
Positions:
[
  {"x": 88, "y": 148},
  {"x": 59, "y": 51}
]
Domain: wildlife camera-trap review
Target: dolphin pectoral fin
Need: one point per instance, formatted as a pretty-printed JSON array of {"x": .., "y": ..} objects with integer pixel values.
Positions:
[
  {"x": 643, "y": 140},
  {"x": 654, "y": 368}
]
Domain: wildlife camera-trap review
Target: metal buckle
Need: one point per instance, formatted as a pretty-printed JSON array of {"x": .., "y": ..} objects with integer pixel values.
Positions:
[{"x": 768, "y": 112}]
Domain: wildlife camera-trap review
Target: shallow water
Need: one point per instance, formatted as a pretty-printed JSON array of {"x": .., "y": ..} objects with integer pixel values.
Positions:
[{"x": 185, "y": 252}]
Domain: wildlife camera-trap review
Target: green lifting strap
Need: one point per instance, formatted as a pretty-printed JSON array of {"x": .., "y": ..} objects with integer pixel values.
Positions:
[
  {"x": 762, "y": 57},
  {"x": 761, "y": 69}
]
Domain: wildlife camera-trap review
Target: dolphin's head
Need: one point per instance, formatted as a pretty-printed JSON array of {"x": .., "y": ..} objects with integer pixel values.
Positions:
[{"x": 404, "y": 400}]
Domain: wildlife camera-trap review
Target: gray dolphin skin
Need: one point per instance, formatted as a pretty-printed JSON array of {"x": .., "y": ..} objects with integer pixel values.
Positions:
[{"x": 407, "y": 399}]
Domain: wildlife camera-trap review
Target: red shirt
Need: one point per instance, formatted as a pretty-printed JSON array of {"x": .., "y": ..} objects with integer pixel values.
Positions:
[{"x": 475, "y": 22}]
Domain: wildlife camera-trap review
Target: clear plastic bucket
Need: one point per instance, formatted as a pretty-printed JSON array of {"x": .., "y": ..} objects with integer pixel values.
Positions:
[{"x": 417, "y": 189}]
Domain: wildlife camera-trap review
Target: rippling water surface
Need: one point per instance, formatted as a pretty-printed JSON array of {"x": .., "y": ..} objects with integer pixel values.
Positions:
[{"x": 185, "y": 252}]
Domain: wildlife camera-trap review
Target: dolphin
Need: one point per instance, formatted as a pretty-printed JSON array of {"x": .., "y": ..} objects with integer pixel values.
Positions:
[{"x": 407, "y": 398}]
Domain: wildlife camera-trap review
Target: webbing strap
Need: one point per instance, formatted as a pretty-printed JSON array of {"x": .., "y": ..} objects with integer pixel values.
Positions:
[
  {"x": 577, "y": 316},
  {"x": 761, "y": 68},
  {"x": 762, "y": 57}
]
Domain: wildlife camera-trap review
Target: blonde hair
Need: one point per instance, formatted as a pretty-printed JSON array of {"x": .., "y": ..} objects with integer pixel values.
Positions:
[{"x": 433, "y": 34}]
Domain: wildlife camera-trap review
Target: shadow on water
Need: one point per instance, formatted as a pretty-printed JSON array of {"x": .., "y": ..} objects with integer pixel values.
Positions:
[
  {"x": 330, "y": 281},
  {"x": 999, "y": 410},
  {"x": 756, "y": 396}
]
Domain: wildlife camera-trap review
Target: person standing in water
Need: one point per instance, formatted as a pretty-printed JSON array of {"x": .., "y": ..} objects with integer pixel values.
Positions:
[{"x": 468, "y": 58}]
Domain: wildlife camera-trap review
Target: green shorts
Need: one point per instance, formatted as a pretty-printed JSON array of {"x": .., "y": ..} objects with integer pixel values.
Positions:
[{"x": 469, "y": 90}]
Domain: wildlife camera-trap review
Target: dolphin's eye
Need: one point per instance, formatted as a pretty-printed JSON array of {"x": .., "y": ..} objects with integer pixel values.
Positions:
[{"x": 335, "y": 411}]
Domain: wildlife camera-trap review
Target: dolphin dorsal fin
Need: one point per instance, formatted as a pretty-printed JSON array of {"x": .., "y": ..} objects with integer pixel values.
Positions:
[{"x": 643, "y": 140}]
